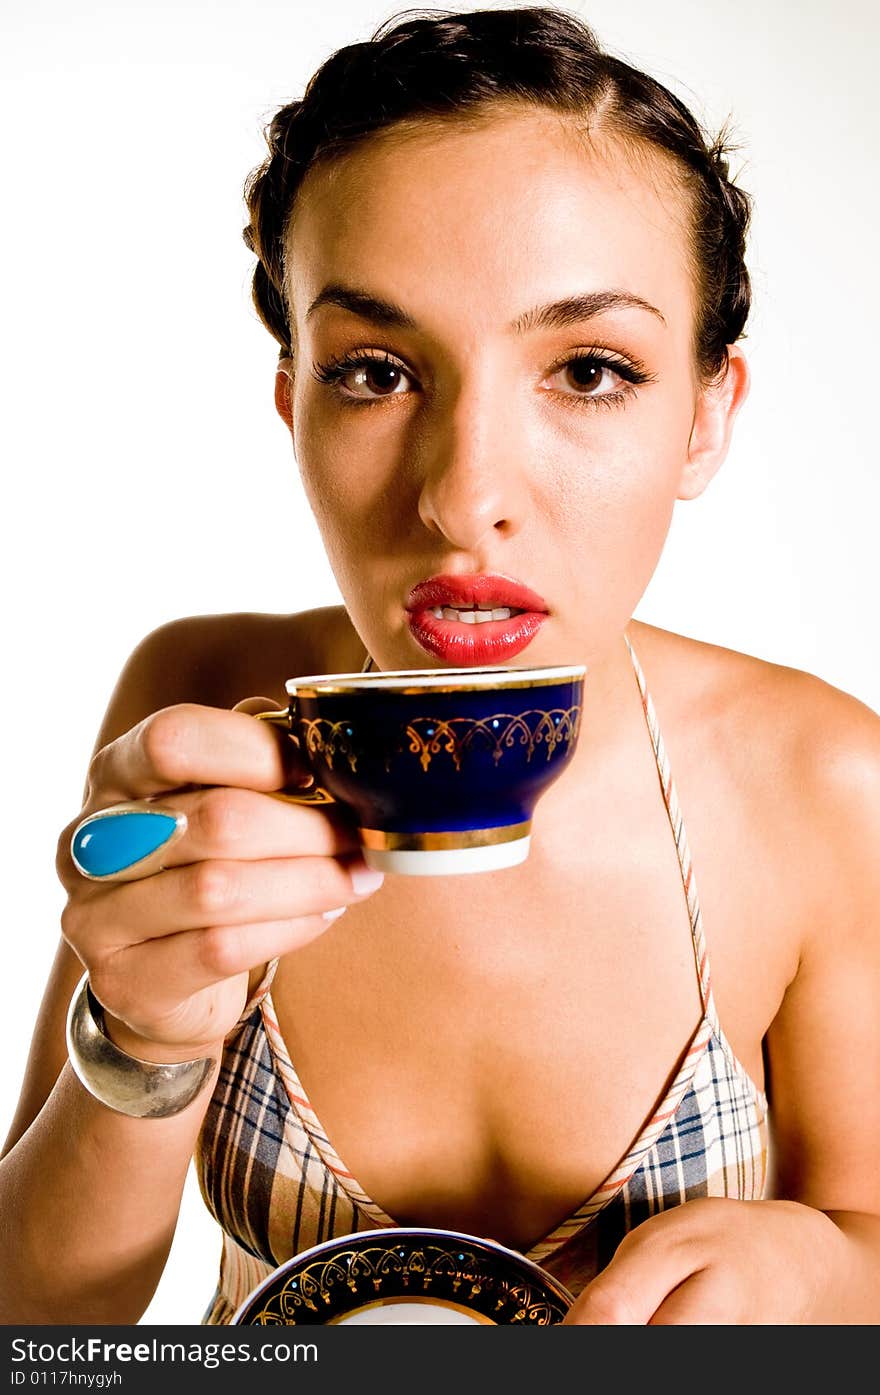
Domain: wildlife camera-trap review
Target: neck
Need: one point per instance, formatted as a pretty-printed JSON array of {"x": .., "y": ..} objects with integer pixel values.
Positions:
[{"x": 612, "y": 711}]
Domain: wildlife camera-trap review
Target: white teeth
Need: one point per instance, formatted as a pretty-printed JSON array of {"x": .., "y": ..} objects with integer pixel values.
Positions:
[{"x": 471, "y": 617}]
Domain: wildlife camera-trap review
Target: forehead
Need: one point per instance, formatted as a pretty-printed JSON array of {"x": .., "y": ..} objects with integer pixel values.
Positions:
[{"x": 478, "y": 219}]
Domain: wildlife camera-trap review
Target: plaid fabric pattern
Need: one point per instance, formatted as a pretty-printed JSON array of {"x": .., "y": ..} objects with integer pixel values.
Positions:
[
  {"x": 274, "y": 1185},
  {"x": 272, "y": 1179}
]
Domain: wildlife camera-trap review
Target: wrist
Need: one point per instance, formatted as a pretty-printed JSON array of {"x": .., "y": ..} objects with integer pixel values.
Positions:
[
  {"x": 157, "y": 1052},
  {"x": 124, "y": 1082}
]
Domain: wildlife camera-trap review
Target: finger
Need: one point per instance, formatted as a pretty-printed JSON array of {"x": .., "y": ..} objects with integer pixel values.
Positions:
[
  {"x": 180, "y": 967},
  {"x": 647, "y": 1267},
  {"x": 212, "y": 894},
  {"x": 265, "y": 707},
  {"x": 253, "y": 705},
  {"x": 216, "y": 823},
  {"x": 126, "y": 841},
  {"x": 702, "y": 1300},
  {"x": 190, "y": 745}
]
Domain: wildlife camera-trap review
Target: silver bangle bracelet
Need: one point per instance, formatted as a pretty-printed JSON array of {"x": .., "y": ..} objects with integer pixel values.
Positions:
[{"x": 141, "y": 1089}]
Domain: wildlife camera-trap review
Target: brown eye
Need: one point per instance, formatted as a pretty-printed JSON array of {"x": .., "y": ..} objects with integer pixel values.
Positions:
[
  {"x": 375, "y": 378},
  {"x": 594, "y": 378},
  {"x": 587, "y": 376}
]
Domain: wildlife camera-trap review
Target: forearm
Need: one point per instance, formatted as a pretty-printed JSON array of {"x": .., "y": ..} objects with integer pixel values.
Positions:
[{"x": 89, "y": 1201}]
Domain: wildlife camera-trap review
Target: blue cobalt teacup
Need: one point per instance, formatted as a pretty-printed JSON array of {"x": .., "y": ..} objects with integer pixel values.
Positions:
[{"x": 441, "y": 768}]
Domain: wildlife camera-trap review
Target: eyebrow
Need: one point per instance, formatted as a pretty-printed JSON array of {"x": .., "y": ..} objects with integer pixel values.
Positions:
[
  {"x": 368, "y": 307},
  {"x": 559, "y": 313}
]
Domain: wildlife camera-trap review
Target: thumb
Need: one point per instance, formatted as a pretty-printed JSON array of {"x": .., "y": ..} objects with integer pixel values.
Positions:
[
  {"x": 257, "y": 704},
  {"x": 299, "y": 774}
]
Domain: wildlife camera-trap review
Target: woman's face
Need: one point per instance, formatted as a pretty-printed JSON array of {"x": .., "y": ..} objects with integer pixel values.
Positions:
[{"x": 446, "y": 422}]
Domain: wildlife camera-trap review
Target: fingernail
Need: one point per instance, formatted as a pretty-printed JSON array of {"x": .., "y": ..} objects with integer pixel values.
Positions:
[
  {"x": 365, "y": 879},
  {"x": 334, "y": 915},
  {"x": 114, "y": 840}
]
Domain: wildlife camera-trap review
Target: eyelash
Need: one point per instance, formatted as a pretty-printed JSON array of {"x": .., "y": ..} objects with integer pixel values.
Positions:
[
  {"x": 335, "y": 368},
  {"x": 332, "y": 371},
  {"x": 633, "y": 373}
]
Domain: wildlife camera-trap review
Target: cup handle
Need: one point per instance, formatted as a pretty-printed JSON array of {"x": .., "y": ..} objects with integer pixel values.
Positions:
[{"x": 316, "y": 794}]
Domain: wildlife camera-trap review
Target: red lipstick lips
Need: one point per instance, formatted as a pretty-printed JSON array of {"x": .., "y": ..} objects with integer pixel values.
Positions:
[{"x": 461, "y": 641}]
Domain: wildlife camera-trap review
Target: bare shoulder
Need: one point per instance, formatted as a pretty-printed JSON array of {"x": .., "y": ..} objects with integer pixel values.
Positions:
[
  {"x": 779, "y": 777},
  {"x": 783, "y": 721},
  {"x": 216, "y": 660},
  {"x": 802, "y": 756},
  {"x": 748, "y": 695}
]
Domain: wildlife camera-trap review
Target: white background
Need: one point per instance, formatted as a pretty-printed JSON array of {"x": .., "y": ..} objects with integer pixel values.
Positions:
[{"x": 146, "y": 476}]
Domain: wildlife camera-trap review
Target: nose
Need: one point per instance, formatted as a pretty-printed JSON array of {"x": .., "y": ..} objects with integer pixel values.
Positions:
[{"x": 473, "y": 481}]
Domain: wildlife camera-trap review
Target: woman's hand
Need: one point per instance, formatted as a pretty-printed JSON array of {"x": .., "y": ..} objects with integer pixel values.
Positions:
[
  {"x": 720, "y": 1261},
  {"x": 251, "y": 878}
]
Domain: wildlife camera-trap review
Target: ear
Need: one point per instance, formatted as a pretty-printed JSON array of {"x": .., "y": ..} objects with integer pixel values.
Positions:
[
  {"x": 283, "y": 392},
  {"x": 714, "y": 415}
]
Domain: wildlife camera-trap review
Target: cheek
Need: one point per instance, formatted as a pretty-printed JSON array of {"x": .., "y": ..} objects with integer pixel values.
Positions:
[
  {"x": 348, "y": 479},
  {"x": 614, "y": 505},
  {"x": 342, "y": 449},
  {"x": 622, "y": 519},
  {"x": 621, "y": 475},
  {"x": 333, "y": 463}
]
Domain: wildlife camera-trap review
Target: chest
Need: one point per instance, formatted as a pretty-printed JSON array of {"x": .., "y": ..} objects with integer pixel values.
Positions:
[{"x": 482, "y": 1058}]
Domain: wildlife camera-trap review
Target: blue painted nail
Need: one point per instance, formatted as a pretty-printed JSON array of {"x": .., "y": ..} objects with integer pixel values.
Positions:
[{"x": 109, "y": 843}]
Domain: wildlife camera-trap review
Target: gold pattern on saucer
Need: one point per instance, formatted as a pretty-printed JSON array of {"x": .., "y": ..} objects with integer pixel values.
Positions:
[
  {"x": 379, "y": 839},
  {"x": 415, "y": 1301},
  {"x": 460, "y": 1274}
]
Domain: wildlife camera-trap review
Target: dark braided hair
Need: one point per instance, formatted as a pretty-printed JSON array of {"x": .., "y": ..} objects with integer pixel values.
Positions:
[{"x": 438, "y": 64}]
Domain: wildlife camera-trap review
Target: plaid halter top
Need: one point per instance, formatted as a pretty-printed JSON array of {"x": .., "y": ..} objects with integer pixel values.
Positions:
[{"x": 272, "y": 1179}]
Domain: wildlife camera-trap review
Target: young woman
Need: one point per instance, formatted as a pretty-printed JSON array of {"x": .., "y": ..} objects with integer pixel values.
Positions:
[{"x": 506, "y": 275}]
